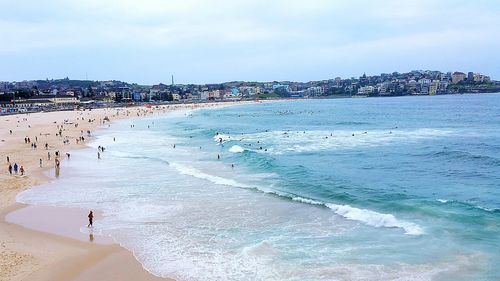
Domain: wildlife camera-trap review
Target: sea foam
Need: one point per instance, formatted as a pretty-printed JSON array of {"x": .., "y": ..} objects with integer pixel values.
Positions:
[
  {"x": 191, "y": 171},
  {"x": 365, "y": 216},
  {"x": 375, "y": 219},
  {"x": 236, "y": 149}
]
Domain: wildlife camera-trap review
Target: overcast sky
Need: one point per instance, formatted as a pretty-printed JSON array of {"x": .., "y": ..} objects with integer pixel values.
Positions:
[{"x": 146, "y": 41}]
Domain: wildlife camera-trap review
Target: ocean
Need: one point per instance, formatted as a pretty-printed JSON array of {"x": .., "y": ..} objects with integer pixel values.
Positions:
[{"x": 400, "y": 188}]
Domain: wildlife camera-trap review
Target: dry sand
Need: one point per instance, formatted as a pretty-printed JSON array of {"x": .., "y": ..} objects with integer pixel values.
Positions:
[{"x": 32, "y": 248}]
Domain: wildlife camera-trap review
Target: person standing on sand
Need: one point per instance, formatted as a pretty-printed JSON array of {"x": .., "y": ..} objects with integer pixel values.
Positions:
[
  {"x": 22, "y": 170},
  {"x": 15, "y": 168},
  {"x": 10, "y": 169},
  {"x": 91, "y": 219},
  {"x": 40, "y": 162}
]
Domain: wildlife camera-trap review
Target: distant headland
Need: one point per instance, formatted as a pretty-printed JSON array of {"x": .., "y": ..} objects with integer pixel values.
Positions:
[{"x": 36, "y": 95}]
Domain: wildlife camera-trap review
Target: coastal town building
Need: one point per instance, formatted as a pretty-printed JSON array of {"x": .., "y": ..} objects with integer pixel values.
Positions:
[
  {"x": 480, "y": 78},
  {"x": 366, "y": 90},
  {"x": 457, "y": 77},
  {"x": 53, "y": 99},
  {"x": 433, "y": 87},
  {"x": 443, "y": 85},
  {"x": 176, "y": 97},
  {"x": 470, "y": 76}
]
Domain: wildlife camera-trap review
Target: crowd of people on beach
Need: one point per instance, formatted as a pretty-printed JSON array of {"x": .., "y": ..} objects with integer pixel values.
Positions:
[{"x": 16, "y": 169}]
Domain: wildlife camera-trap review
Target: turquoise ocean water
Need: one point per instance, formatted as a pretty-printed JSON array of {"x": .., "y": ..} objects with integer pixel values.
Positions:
[{"x": 346, "y": 189}]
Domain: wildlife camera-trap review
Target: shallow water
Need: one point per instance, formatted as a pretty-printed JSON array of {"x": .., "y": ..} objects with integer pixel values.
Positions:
[{"x": 349, "y": 189}]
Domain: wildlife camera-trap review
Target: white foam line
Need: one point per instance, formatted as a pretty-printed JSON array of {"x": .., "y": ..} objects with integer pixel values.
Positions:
[
  {"x": 191, "y": 171},
  {"x": 375, "y": 219}
]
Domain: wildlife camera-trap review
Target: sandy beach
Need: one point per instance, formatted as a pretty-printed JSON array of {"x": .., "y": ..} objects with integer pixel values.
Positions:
[{"x": 45, "y": 243}]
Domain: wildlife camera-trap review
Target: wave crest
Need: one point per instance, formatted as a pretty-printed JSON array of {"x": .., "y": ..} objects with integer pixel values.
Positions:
[
  {"x": 375, "y": 219},
  {"x": 236, "y": 149}
]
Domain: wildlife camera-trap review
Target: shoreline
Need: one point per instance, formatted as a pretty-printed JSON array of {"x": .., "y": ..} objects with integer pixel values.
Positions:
[{"x": 45, "y": 252}]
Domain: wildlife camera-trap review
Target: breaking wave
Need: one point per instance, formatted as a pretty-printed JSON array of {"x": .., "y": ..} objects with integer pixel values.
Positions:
[{"x": 367, "y": 217}]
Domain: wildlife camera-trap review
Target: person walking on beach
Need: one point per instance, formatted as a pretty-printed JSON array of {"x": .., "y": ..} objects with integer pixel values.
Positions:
[
  {"x": 98, "y": 155},
  {"x": 10, "y": 169},
  {"x": 91, "y": 219},
  {"x": 15, "y": 168},
  {"x": 40, "y": 162},
  {"x": 22, "y": 170}
]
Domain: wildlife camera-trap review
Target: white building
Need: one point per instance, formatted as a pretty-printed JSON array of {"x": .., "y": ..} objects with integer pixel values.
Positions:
[
  {"x": 383, "y": 88},
  {"x": 481, "y": 78},
  {"x": 366, "y": 90},
  {"x": 176, "y": 97},
  {"x": 425, "y": 81},
  {"x": 204, "y": 95}
]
